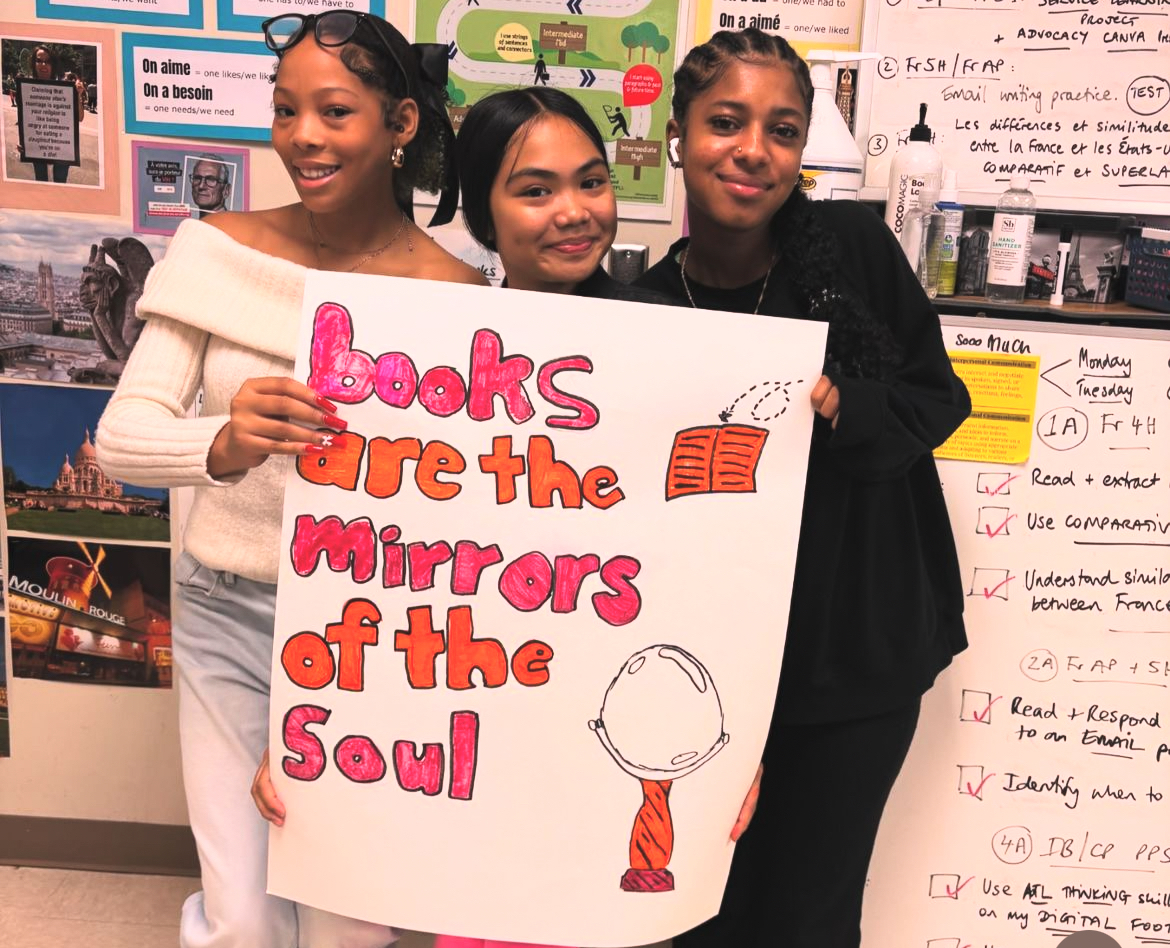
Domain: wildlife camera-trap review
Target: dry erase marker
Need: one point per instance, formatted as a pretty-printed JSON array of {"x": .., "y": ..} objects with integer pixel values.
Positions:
[{"x": 1062, "y": 251}]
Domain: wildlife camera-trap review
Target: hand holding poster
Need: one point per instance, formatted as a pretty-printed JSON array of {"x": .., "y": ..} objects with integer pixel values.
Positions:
[{"x": 541, "y": 576}]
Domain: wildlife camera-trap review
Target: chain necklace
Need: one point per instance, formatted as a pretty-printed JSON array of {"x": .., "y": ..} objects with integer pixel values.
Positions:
[
  {"x": 682, "y": 269},
  {"x": 367, "y": 255}
]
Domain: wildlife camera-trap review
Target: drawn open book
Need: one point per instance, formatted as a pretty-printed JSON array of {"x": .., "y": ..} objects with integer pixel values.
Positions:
[{"x": 714, "y": 459}]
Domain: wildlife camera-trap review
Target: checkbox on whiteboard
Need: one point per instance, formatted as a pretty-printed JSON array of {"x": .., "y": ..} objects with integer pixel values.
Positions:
[
  {"x": 989, "y": 583},
  {"x": 944, "y": 885},
  {"x": 976, "y": 706},
  {"x": 994, "y": 483},
  {"x": 971, "y": 780},
  {"x": 994, "y": 522},
  {"x": 943, "y": 943}
]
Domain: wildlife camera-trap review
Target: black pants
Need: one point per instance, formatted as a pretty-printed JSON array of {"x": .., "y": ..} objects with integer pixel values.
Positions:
[{"x": 798, "y": 875}]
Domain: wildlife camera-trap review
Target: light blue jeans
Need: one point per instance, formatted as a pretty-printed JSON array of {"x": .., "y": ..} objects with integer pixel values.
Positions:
[{"x": 223, "y": 628}]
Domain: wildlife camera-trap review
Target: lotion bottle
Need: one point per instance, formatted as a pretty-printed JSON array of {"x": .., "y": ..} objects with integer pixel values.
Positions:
[
  {"x": 1010, "y": 250},
  {"x": 832, "y": 166},
  {"x": 916, "y": 166}
]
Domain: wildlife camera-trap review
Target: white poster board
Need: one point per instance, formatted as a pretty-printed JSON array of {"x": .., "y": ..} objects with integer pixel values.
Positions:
[{"x": 628, "y": 625}]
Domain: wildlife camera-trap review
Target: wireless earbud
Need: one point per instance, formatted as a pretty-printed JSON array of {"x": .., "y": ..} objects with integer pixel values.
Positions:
[{"x": 672, "y": 151}]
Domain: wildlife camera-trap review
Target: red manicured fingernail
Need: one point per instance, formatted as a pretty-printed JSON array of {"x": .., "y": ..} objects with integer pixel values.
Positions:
[
  {"x": 334, "y": 422},
  {"x": 325, "y": 403},
  {"x": 314, "y": 449}
]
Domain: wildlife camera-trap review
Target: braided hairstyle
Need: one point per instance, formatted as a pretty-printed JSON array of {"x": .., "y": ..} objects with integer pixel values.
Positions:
[{"x": 860, "y": 345}]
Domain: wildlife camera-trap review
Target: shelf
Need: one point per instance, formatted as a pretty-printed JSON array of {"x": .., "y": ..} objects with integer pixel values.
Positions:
[{"x": 1108, "y": 314}]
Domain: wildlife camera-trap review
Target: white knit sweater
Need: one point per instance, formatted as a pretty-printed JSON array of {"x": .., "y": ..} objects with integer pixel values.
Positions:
[{"x": 218, "y": 313}]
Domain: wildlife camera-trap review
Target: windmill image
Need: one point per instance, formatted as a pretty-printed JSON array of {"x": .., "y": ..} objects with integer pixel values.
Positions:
[{"x": 74, "y": 580}]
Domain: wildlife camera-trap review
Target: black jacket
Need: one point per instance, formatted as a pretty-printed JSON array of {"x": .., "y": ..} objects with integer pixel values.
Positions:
[{"x": 877, "y": 599}]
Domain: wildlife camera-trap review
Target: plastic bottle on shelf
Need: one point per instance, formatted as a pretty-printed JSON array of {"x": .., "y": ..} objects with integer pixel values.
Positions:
[
  {"x": 922, "y": 237},
  {"x": 952, "y": 233},
  {"x": 917, "y": 165},
  {"x": 832, "y": 165},
  {"x": 1010, "y": 250}
]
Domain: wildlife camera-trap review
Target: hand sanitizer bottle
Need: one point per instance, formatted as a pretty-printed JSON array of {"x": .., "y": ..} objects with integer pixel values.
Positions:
[{"x": 1010, "y": 249}]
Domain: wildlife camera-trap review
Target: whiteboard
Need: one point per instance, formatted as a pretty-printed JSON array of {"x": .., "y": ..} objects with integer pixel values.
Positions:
[
  {"x": 1073, "y": 94},
  {"x": 1028, "y": 808}
]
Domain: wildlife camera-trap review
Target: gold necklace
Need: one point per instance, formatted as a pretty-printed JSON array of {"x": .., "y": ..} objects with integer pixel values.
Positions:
[
  {"x": 367, "y": 255},
  {"x": 682, "y": 269}
]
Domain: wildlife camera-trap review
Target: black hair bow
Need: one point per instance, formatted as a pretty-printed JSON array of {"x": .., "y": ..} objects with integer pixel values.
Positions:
[{"x": 432, "y": 61}]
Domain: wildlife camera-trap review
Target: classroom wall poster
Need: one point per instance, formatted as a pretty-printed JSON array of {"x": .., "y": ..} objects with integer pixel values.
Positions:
[
  {"x": 194, "y": 87},
  {"x": 553, "y": 551},
  {"x": 617, "y": 63},
  {"x": 76, "y": 137},
  {"x": 245, "y": 16},
  {"x": 186, "y": 14},
  {"x": 70, "y": 286},
  {"x": 175, "y": 182},
  {"x": 806, "y": 24},
  {"x": 90, "y": 611}
]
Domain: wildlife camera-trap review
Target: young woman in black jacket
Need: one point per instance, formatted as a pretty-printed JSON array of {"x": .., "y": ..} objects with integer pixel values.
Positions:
[{"x": 877, "y": 600}]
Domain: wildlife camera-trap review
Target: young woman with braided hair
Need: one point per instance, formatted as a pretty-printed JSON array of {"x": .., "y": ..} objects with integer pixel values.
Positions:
[{"x": 877, "y": 600}]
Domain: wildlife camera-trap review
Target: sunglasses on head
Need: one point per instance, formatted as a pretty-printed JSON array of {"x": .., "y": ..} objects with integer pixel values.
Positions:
[{"x": 330, "y": 29}]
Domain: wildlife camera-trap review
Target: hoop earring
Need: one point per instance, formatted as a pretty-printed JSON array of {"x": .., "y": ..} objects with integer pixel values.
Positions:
[{"x": 397, "y": 157}]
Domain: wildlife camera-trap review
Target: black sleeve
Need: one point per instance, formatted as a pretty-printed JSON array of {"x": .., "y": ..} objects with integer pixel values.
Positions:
[{"x": 883, "y": 427}]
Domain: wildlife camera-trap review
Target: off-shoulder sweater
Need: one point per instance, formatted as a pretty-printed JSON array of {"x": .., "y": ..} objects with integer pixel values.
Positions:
[{"x": 217, "y": 313}]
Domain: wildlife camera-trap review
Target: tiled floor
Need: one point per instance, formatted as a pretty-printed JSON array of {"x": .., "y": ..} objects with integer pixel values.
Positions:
[
  {"x": 51, "y": 908},
  {"x": 54, "y": 908}
]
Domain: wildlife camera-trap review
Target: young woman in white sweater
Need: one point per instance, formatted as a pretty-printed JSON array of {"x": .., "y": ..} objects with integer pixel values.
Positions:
[{"x": 358, "y": 121}]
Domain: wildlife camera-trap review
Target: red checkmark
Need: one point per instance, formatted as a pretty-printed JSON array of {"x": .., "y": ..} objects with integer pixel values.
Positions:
[
  {"x": 988, "y": 593},
  {"x": 954, "y": 893},
  {"x": 1002, "y": 526},
  {"x": 992, "y": 493},
  {"x": 982, "y": 715},
  {"x": 975, "y": 792}
]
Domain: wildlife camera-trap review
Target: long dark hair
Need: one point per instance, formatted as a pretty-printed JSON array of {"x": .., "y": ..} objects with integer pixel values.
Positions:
[
  {"x": 489, "y": 128},
  {"x": 860, "y": 345}
]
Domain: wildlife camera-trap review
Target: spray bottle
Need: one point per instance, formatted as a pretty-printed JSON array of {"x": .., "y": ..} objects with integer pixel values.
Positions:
[{"x": 832, "y": 166}]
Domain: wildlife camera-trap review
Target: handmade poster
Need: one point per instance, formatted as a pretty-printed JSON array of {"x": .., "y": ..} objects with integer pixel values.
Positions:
[
  {"x": 195, "y": 87},
  {"x": 175, "y": 182},
  {"x": 532, "y": 606},
  {"x": 59, "y": 144},
  {"x": 70, "y": 287},
  {"x": 90, "y": 611},
  {"x": 247, "y": 15},
  {"x": 617, "y": 63},
  {"x": 806, "y": 24},
  {"x": 177, "y": 13}
]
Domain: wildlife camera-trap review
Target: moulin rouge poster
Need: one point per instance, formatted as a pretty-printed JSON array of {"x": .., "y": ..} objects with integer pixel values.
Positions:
[{"x": 532, "y": 606}]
